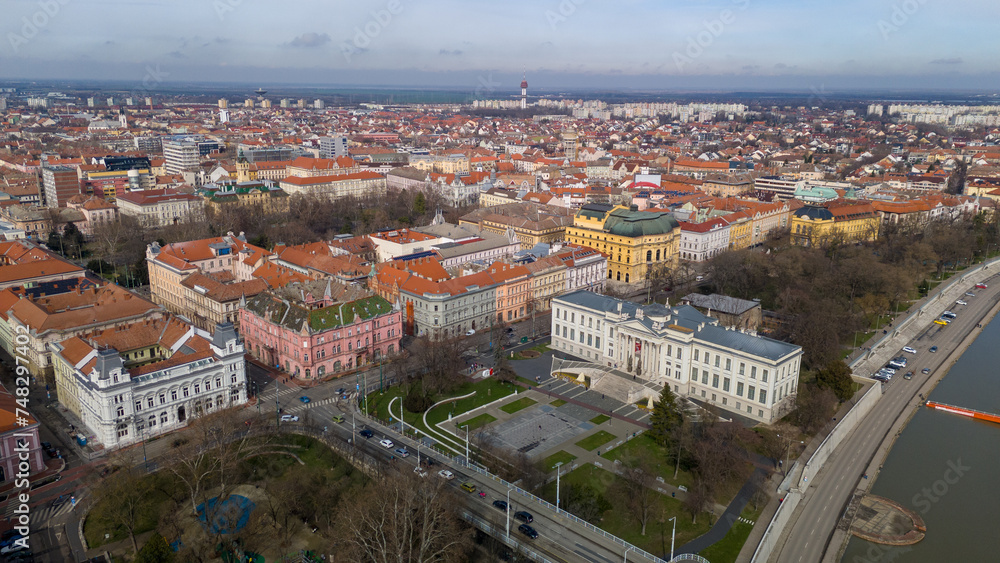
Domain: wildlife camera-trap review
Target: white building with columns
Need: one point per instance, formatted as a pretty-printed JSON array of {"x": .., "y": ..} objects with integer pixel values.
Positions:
[
  {"x": 133, "y": 382},
  {"x": 734, "y": 371}
]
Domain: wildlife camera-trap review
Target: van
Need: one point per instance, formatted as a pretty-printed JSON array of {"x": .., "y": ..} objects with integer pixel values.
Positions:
[
  {"x": 338, "y": 418},
  {"x": 469, "y": 487}
]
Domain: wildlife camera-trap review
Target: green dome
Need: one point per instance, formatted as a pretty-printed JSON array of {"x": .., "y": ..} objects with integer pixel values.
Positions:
[{"x": 627, "y": 223}]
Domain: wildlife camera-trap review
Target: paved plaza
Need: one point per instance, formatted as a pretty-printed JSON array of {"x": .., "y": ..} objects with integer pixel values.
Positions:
[{"x": 540, "y": 428}]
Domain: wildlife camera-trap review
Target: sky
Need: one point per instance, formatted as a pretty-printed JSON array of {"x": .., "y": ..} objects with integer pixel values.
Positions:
[{"x": 484, "y": 46}]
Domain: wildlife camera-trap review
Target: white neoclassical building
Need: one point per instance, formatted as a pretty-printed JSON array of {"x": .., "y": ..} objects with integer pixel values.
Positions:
[
  {"x": 733, "y": 370},
  {"x": 132, "y": 382}
]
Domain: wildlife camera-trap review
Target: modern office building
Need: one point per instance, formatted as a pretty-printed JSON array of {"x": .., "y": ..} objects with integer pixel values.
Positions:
[{"x": 59, "y": 183}]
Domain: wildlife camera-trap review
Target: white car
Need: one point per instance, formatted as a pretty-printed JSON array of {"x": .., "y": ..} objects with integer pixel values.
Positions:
[
  {"x": 420, "y": 471},
  {"x": 445, "y": 474},
  {"x": 909, "y": 349},
  {"x": 960, "y": 302},
  {"x": 289, "y": 418},
  {"x": 386, "y": 443},
  {"x": 470, "y": 332}
]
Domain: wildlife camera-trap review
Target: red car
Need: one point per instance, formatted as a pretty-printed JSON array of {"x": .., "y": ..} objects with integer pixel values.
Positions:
[{"x": 981, "y": 285}]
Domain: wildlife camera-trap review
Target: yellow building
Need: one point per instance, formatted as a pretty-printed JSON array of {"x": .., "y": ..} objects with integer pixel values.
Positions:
[
  {"x": 633, "y": 240},
  {"x": 815, "y": 225},
  {"x": 269, "y": 198},
  {"x": 530, "y": 223},
  {"x": 740, "y": 230}
]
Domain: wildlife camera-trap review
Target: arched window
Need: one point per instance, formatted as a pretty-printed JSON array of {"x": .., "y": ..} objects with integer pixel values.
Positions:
[
  {"x": 649, "y": 256},
  {"x": 618, "y": 276}
]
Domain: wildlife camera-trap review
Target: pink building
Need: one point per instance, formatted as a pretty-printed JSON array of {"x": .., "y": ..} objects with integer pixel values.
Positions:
[
  {"x": 96, "y": 211},
  {"x": 19, "y": 440},
  {"x": 317, "y": 328}
]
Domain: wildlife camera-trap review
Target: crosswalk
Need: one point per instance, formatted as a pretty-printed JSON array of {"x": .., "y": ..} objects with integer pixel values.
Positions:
[{"x": 49, "y": 510}]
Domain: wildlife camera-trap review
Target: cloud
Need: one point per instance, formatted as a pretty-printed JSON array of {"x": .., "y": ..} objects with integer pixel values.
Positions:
[
  {"x": 455, "y": 52},
  {"x": 951, "y": 61},
  {"x": 751, "y": 68},
  {"x": 177, "y": 55},
  {"x": 310, "y": 39}
]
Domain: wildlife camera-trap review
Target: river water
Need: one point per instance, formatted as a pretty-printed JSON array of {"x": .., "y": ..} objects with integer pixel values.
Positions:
[{"x": 946, "y": 468}]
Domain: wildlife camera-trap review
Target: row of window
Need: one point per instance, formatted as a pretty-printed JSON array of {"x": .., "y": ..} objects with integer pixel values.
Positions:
[{"x": 184, "y": 392}]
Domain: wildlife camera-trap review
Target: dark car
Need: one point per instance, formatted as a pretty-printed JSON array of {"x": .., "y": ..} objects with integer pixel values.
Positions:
[
  {"x": 523, "y": 516},
  {"x": 366, "y": 433},
  {"x": 528, "y": 531},
  {"x": 908, "y": 375},
  {"x": 925, "y": 370},
  {"x": 46, "y": 445},
  {"x": 340, "y": 391},
  {"x": 500, "y": 504},
  {"x": 933, "y": 349}
]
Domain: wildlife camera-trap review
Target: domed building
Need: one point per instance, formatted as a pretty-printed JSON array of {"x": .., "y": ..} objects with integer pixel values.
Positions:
[{"x": 635, "y": 241}]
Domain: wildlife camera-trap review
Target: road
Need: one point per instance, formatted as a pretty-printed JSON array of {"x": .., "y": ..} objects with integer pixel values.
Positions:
[{"x": 829, "y": 492}]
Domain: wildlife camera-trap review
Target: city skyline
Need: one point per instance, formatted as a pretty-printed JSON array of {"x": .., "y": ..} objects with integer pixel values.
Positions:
[{"x": 569, "y": 44}]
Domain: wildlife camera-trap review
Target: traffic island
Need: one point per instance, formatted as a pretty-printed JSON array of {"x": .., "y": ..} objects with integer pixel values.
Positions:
[{"x": 883, "y": 521}]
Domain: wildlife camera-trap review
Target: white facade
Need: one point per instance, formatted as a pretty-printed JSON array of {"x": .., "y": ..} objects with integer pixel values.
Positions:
[
  {"x": 180, "y": 155},
  {"x": 701, "y": 242},
  {"x": 121, "y": 406},
  {"x": 588, "y": 273},
  {"x": 161, "y": 210},
  {"x": 735, "y": 371},
  {"x": 445, "y": 315}
]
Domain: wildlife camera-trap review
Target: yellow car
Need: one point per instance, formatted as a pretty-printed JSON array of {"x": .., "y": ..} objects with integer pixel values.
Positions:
[
  {"x": 469, "y": 486},
  {"x": 940, "y": 322}
]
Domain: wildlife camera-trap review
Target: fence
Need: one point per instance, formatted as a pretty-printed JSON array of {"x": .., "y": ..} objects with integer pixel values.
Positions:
[
  {"x": 615, "y": 539},
  {"x": 501, "y": 535},
  {"x": 776, "y": 526},
  {"x": 839, "y": 432}
]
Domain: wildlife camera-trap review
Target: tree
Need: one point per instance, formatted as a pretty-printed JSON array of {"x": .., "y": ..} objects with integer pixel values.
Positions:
[
  {"x": 814, "y": 405},
  {"x": 636, "y": 488},
  {"x": 403, "y": 519},
  {"x": 156, "y": 550},
  {"x": 420, "y": 203},
  {"x": 665, "y": 417},
  {"x": 836, "y": 376},
  {"x": 697, "y": 499},
  {"x": 125, "y": 507}
]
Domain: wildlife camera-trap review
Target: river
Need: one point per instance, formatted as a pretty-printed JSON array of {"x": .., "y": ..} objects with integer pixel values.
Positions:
[{"x": 946, "y": 467}]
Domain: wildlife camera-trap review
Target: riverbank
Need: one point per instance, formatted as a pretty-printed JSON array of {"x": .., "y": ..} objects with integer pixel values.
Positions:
[{"x": 842, "y": 535}]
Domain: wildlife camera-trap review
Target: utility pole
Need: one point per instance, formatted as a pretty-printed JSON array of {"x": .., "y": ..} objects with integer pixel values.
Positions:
[
  {"x": 508, "y": 513},
  {"x": 557, "y": 485},
  {"x": 277, "y": 416},
  {"x": 673, "y": 535}
]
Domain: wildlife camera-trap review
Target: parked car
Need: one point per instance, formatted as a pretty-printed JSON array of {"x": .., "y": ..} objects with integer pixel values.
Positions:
[
  {"x": 500, "y": 505},
  {"x": 523, "y": 516},
  {"x": 12, "y": 548},
  {"x": 366, "y": 433},
  {"x": 289, "y": 418},
  {"x": 942, "y": 322},
  {"x": 470, "y": 332},
  {"x": 445, "y": 474},
  {"x": 528, "y": 531},
  {"x": 981, "y": 285},
  {"x": 403, "y": 452},
  {"x": 933, "y": 349},
  {"x": 909, "y": 349},
  {"x": 420, "y": 471},
  {"x": 970, "y": 294},
  {"x": 948, "y": 315},
  {"x": 961, "y": 302},
  {"x": 386, "y": 443},
  {"x": 305, "y": 399}
]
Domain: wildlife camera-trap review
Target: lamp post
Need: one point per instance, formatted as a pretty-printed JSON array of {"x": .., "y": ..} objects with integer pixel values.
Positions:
[
  {"x": 402, "y": 423},
  {"x": 467, "y": 444},
  {"x": 508, "y": 513},
  {"x": 673, "y": 534},
  {"x": 142, "y": 433},
  {"x": 557, "y": 484}
]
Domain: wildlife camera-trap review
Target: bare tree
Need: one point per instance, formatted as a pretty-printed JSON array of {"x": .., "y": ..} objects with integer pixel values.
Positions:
[
  {"x": 124, "y": 503},
  {"x": 403, "y": 519},
  {"x": 637, "y": 487}
]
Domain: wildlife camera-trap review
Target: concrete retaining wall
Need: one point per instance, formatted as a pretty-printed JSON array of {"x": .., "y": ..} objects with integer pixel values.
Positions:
[
  {"x": 776, "y": 526},
  {"x": 840, "y": 431}
]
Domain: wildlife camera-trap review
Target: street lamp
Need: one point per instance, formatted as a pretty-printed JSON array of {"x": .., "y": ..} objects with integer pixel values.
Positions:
[
  {"x": 508, "y": 513},
  {"x": 557, "y": 485},
  {"x": 673, "y": 534},
  {"x": 467, "y": 444}
]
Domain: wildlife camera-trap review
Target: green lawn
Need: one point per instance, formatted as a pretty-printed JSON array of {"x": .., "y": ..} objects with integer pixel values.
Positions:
[
  {"x": 665, "y": 462},
  {"x": 618, "y": 520},
  {"x": 541, "y": 349},
  {"x": 594, "y": 441},
  {"x": 728, "y": 548},
  {"x": 550, "y": 462},
  {"x": 600, "y": 419},
  {"x": 479, "y": 421},
  {"x": 558, "y": 403},
  {"x": 513, "y": 407}
]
